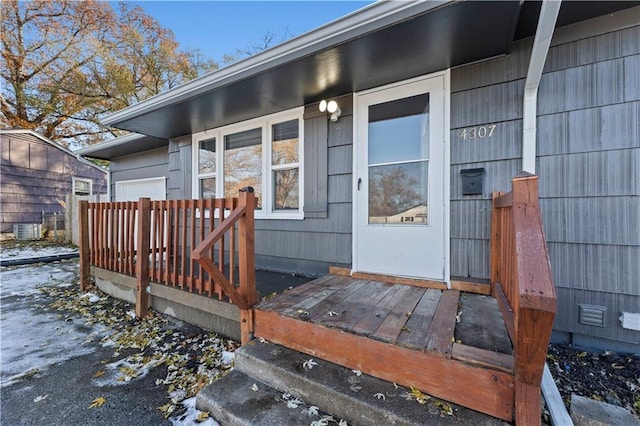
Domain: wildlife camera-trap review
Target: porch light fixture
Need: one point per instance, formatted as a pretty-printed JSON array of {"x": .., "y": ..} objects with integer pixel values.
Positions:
[{"x": 332, "y": 108}]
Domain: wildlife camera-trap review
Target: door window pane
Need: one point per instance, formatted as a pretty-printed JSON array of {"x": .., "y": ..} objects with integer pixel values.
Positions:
[
  {"x": 399, "y": 130},
  {"x": 207, "y": 156},
  {"x": 243, "y": 162},
  {"x": 208, "y": 188},
  {"x": 398, "y": 193},
  {"x": 285, "y": 189}
]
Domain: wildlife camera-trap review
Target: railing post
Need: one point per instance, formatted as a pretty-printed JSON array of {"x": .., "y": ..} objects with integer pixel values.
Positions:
[
  {"x": 142, "y": 256},
  {"x": 536, "y": 300},
  {"x": 83, "y": 245},
  {"x": 496, "y": 242},
  {"x": 246, "y": 258}
]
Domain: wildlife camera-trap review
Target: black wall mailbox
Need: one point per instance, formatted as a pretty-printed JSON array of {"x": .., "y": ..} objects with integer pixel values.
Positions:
[{"x": 472, "y": 180}]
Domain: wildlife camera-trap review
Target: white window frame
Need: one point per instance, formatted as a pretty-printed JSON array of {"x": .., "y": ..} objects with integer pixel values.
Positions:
[
  {"x": 75, "y": 179},
  {"x": 265, "y": 123}
]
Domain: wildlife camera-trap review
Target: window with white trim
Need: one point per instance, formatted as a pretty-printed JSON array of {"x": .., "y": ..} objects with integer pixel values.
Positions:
[
  {"x": 264, "y": 153},
  {"x": 82, "y": 186}
]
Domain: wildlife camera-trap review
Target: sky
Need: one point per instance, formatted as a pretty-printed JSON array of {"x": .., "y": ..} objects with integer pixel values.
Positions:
[{"x": 219, "y": 27}]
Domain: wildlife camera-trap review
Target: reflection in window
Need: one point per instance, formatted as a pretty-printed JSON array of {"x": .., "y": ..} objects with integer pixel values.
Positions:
[
  {"x": 398, "y": 159},
  {"x": 285, "y": 165},
  {"x": 243, "y": 162},
  {"x": 208, "y": 188},
  {"x": 207, "y": 156},
  {"x": 398, "y": 193},
  {"x": 264, "y": 153}
]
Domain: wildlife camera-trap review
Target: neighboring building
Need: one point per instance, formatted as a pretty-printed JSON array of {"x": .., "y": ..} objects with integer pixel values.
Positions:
[
  {"x": 426, "y": 92},
  {"x": 36, "y": 176}
]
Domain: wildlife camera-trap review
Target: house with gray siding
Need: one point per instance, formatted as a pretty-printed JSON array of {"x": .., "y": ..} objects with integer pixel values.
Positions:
[
  {"x": 38, "y": 174},
  {"x": 375, "y": 143}
]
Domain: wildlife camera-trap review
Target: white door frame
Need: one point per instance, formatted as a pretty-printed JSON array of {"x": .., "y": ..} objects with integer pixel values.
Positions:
[{"x": 445, "y": 75}]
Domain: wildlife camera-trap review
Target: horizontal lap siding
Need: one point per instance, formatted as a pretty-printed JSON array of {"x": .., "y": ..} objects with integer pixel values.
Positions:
[
  {"x": 37, "y": 177},
  {"x": 323, "y": 238},
  {"x": 588, "y": 145},
  {"x": 311, "y": 245}
]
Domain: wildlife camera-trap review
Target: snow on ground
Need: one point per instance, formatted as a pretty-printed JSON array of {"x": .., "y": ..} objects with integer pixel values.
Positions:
[
  {"x": 30, "y": 338},
  {"x": 33, "y": 337},
  {"x": 192, "y": 417},
  {"x": 27, "y": 252}
]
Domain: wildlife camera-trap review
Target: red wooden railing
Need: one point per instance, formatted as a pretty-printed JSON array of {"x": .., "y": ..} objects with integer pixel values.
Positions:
[
  {"x": 522, "y": 284},
  {"x": 162, "y": 234},
  {"x": 244, "y": 296}
]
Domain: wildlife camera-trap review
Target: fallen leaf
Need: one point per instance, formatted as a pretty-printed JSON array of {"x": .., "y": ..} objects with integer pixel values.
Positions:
[
  {"x": 309, "y": 364},
  {"x": 98, "y": 402},
  {"x": 419, "y": 396},
  {"x": 202, "y": 416},
  {"x": 311, "y": 411},
  {"x": 99, "y": 373},
  {"x": 293, "y": 403}
]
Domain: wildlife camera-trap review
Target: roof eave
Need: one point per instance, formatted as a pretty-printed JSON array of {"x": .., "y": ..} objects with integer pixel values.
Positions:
[{"x": 365, "y": 20}]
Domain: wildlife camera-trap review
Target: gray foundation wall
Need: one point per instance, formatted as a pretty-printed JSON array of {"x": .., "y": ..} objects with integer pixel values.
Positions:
[{"x": 205, "y": 312}]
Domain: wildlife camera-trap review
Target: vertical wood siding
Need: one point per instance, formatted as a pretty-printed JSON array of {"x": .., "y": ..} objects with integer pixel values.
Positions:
[{"x": 36, "y": 176}]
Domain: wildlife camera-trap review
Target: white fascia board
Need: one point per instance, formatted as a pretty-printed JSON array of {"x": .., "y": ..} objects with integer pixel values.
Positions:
[{"x": 353, "y": 25}]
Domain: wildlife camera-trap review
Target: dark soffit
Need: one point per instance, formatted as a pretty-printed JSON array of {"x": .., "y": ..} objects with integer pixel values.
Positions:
[
  {"x": 125, "y": 145},
  {"x": 570, "y": 13},
  {"x": 450, "y": 35}
]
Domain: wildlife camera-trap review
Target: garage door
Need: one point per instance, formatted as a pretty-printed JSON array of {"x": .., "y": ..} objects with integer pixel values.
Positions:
[{"x": 132, "y": 190}]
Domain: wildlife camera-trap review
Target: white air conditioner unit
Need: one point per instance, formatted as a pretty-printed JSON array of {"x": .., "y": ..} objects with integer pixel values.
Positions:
[{"x": 27, "y": 231}]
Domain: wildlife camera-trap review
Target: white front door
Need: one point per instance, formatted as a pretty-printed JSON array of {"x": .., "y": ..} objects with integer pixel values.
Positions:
[{"x": 401, "y": 179}]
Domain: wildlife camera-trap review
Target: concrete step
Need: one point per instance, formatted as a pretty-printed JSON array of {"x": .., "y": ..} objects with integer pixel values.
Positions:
[
  {"x": 359, "y": 399},
  {"x": 240, "y": 400}
]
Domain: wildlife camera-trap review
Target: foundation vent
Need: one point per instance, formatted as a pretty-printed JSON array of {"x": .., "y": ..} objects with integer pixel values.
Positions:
[{"x": 592, "y": 315}]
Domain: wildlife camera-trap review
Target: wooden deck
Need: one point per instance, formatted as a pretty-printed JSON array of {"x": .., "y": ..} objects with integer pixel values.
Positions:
[{"x": 450, "y": 344}]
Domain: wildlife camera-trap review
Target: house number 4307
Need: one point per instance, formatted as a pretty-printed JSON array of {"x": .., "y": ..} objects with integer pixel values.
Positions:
[{"x": 478, "y": 132}]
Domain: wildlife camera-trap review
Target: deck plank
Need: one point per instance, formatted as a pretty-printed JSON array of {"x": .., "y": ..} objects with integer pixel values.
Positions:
[
  {"x": 301, "y": 308},
  {"x": 292, "y": 296},
  {"x": 322, "y": 309},
  {"x": 415, "y": 332},
  {"x": 353, "y": 308},
  {"x": 372, "y": 320},
  {"x": 441, "y": 329},
  {"x": 482, "y": 357},
  {"x": 393, "y": 324}
]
